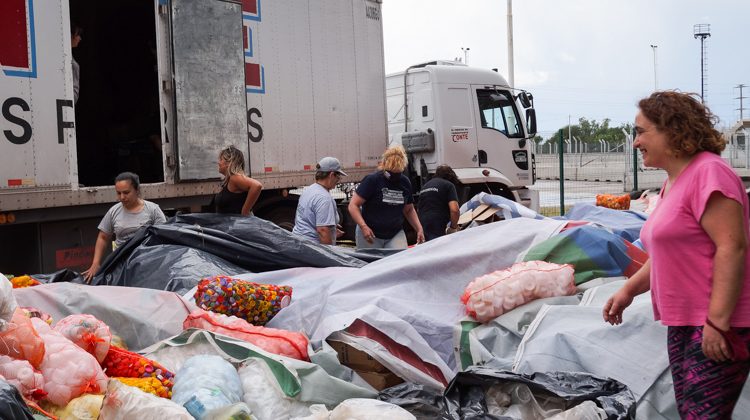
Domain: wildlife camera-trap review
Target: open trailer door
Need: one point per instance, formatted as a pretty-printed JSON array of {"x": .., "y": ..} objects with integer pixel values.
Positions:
[{"x": 209, "y": 84}]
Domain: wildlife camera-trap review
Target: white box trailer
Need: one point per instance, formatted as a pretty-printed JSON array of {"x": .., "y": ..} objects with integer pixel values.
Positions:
[
  {"x": 164, "y": 85},
  {"x": 444, "y": 112}
]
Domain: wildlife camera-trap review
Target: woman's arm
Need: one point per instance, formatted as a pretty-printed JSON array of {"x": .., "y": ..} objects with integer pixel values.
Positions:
[
  {"x": 253, "y": 188},
  {"x": 101, "y": 245},
  {"x": 723, "y": 221},
  {"x": 411, "y": 216},
  {"x": 356, "y": 214},
  {"x": 638, "y": 283},
  {"x": 454, "y": 212}
]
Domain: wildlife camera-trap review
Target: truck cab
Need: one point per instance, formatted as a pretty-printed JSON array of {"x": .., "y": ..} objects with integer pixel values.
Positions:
[{"x": 445, "y": 112}]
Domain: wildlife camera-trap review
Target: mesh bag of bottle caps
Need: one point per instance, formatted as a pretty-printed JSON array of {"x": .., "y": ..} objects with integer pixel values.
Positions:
[
  {"x": 616, "y": 202},
  {"x": 126, "y": 364},
  {"x": 253, "y": 302}
]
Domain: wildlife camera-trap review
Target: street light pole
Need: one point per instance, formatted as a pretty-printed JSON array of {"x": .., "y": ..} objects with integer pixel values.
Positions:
[
  {"x": 656, "y": 83},
  {"x": 466, "y": 53},
  {"x": 511, "y": 77}
]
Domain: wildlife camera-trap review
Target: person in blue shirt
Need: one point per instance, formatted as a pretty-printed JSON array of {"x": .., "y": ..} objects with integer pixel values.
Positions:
[
  {"x": 317, "y": 217},
  {"x": 381, "y": 202}
]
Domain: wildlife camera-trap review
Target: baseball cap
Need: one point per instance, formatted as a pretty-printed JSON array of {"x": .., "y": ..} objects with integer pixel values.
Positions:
[{"x": 330, "y": 164}]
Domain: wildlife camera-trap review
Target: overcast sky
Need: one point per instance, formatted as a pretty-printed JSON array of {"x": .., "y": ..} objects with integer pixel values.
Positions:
[{"x": 583, "y": 58}]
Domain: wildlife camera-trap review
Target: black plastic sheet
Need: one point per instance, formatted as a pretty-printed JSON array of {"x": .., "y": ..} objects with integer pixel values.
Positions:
[
  {"x": 174, "y": 256},
  {"x": 465, "y": 395},
  {"x": 12, "y": 406},
  {"x": 424, "y": 403}
]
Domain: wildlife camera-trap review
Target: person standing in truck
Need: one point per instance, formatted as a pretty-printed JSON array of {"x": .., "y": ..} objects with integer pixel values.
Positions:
[
  {"x": 697, "y": 241},
  {"x": 124, "y": 218},
  {"x": 317, "y": 216},
  {"x": 381, "y": 202},
  {"x": 438, "y": 204},
  {"x": 76, "y": 36},
  {"x": 239, "y": 192}
]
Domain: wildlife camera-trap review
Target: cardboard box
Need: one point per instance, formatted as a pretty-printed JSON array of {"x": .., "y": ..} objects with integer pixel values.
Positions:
[
  {"x": 380, "y": 381},
  {"x": 356, "y": 359},
  {"x": 479, "y": 214}
]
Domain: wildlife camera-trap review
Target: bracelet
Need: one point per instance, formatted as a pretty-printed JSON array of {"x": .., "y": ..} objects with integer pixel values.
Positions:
[{"x": 712, "y": 325}]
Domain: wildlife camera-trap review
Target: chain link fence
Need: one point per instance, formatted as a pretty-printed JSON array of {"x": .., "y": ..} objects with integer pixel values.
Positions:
[{"x": 589, "y": 169}]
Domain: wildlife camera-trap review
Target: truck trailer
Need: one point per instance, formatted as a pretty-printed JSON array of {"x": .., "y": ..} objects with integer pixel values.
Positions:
[{"x": 164, "y": 85}]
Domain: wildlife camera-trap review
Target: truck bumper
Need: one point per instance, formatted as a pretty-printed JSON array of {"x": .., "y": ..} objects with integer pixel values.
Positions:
[{"x": 529, "y": 198}]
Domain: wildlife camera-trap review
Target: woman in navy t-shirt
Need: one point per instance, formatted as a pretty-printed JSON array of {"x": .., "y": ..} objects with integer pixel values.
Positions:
[{"x": 381, "y": 202}]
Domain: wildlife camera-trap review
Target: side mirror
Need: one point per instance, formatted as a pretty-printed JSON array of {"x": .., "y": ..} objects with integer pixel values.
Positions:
[
  {"x": 531, "y": 121},
  {"x": 525, "y": 99}
]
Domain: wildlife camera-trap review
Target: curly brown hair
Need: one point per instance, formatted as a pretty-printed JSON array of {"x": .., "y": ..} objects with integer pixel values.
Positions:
[{"x": 687, "y": 123}]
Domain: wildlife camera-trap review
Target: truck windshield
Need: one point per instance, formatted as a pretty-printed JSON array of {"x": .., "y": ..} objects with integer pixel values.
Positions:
[{"x": 498, "y": 112}]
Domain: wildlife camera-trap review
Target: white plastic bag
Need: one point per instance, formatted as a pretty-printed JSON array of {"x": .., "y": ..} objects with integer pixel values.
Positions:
[
  {"x": 7, "y": 302},
  {"x": 368, "y": 409},
  {"x": 494, "y": 294},
  {"x": 206, "y": 383},
  {"x": 587, "y": 410},
  {"x": 263, "y": 395},
  {"x": 123, "y": 402}
]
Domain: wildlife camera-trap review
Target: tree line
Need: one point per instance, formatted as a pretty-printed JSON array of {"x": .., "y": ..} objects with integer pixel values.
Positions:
[{"x": 590, "y": 131}]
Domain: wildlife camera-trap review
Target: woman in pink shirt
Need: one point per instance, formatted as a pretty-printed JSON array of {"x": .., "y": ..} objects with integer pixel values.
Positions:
[{"x": 697, "y": 240}]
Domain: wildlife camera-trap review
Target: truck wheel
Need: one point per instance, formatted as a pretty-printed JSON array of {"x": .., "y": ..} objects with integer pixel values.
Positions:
[{"x": 283, "y": 216}]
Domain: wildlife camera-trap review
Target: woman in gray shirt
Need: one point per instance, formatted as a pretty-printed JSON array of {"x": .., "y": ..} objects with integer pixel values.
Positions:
[{"x": 124, "y": 218}]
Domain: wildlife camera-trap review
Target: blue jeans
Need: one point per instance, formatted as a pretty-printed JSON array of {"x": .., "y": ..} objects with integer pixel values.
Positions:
[{"x": 397, "y": 242}]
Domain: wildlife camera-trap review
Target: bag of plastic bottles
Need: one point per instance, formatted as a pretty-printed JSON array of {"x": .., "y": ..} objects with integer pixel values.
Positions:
[
  {"x": 282, "y": 342},
  {"x": 67, "y": 369},
  {"x": 87, "y": 332},
  {"x": 20, "y": 340},
  {"x": 22, "y": 375},
  {"x": 206, "y": 383},
  {"x": 494, "y": 294}
]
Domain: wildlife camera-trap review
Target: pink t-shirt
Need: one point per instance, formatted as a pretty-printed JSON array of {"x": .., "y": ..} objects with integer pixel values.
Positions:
[{"x": 682, "y": 253}]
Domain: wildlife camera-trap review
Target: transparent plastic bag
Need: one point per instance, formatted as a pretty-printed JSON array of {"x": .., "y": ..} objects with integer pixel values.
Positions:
[
  {"x": 494, "y": 294},
  {"x": 86, "y": 332},
  {"x": 206, "y": 383}
]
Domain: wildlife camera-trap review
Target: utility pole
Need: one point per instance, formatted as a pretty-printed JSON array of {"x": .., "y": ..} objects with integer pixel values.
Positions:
[
  {"x": 511, "y": 77},
  {"x": 656, "y": 83},
  {"x": 466, "y": 53},
  {"x": 741, "y": 108},
  {"x": 702, "y": 31}
]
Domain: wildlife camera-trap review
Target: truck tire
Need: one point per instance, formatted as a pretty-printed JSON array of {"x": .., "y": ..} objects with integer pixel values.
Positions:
[{"x": 282, "y": 215}]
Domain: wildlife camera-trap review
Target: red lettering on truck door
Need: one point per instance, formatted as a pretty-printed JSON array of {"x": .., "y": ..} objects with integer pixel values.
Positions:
[{"x": 18, "y": 46}]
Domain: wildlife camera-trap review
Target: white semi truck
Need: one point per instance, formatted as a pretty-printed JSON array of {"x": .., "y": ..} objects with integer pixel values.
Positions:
[
  {"x": 444, "y": 112},
  {"x": 165, "y": 84}
]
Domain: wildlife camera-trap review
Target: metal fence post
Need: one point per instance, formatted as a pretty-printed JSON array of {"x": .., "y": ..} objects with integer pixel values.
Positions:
[
  {"x": 635, "y": 164},
  {"x": 562, "y": 176}
]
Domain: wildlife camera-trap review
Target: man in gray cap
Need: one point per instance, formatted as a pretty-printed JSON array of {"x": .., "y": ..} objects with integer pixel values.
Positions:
[{"x": 317, "y": 217}]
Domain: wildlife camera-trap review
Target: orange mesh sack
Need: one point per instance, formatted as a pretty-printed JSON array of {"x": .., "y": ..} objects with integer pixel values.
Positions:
[
  {"x": 615, "y": 202},
  {"x": 125, "y": 363},
  {"x": 494, "y": 294},
  {"x": 282, "y": 342},
  {"x": 67, "y": 369},
  {"x": 20, "y": 340}
]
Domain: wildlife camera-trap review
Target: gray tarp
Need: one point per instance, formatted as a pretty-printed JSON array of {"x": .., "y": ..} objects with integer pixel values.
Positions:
[
  {"x": 413, "y": 296},
  {"x": 140, "y": 316}
]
